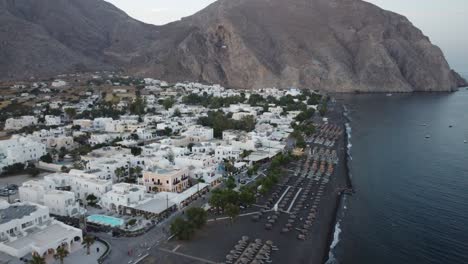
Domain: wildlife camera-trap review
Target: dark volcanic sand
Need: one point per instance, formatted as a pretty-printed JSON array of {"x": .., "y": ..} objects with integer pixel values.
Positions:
[{"x": 215, "y": 240}]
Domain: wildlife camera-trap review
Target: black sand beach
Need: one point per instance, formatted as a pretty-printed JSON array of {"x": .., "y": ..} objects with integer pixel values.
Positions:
[{"x": 212, "y": 243}]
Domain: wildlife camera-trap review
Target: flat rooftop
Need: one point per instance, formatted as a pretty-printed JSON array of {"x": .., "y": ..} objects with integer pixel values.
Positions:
[
  {"x": 43, "y": 238},
  {"x": 15, "y": 212},
  {"x": 155, "y": 206}
]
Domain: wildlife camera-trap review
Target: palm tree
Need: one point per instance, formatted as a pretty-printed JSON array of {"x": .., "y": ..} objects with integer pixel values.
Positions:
[
  {"x": 61, "y": 254},
  {"x": 37, "y": 259},
  {"x": 88, "y": 241},
  {"x": 120, "y": 172}
]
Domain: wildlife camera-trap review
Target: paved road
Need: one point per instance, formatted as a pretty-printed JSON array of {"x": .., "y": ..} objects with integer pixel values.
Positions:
[
  {"x": 134, "y": 249},
  {"x": 131, "y": 249}
]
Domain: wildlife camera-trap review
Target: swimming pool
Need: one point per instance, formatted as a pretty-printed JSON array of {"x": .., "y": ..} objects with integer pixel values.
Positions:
[{"x": 106, "y": 220}]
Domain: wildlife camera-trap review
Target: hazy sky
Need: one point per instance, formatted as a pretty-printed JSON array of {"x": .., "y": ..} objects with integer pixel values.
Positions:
[{"x": 444, "y": 21}]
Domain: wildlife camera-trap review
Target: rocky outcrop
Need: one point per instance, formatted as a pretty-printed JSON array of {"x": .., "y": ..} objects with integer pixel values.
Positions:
[{"x": 332, "y": 45}]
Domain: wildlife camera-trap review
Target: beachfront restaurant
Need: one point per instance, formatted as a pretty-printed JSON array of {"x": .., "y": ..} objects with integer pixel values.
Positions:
[
  {"x": 159, "y": 207},
  {"x": 185, "y": 198}
]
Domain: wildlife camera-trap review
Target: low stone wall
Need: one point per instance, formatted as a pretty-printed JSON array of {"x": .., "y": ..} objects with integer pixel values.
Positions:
[
  {"x": 49, "y": 166},
  {"x": 106, "y": 253}
]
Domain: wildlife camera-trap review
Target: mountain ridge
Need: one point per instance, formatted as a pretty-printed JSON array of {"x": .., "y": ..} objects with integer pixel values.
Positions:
[{"x": 332, "y": 45}]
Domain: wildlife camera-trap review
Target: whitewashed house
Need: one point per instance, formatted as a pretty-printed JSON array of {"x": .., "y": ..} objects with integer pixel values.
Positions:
[
  {"x": 61, "y": 203},
  {"x": 18, "y": 123},
  {"x": 51, "y": 120},
  {"x": 20, "y": 150},
  {"x": 27, "y": 228}
]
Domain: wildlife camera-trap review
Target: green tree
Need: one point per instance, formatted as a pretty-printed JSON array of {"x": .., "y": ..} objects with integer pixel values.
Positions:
[
  {"x": 190, "y": 146},
  {"x": 245, "y": 153},
  {"x": 247, "y": 196},
  {"x": 300, "y": 143},
  {"x": 62, "y": 152},
  {"x": 131, "y": 222},
  {"x": 217, "y": 199},
  {"x": 170, "y": 156},
  {"x": 177, "y": 113},
  {"x": 91, "y": 199},
  {"x": 61, "y": 253},
  {"x": 64, "y": 169},
  {"x": 229, "y": 166},
  {"x": 232, "y": 211},
  {"x": 168, "y": 103},
  {"x": 71, "y": 112},
  {"x": 13, "y": 169},
  {"x": 323, "y": 109},
  {"x": 231, "y": 183},
  {"x": 47, "y": 158},
  {"x": 134, "y": 136},
  {"x": 87, "y": 242},
  {"x": 182, "y": 229},
  {"x": 136, "y": 151},
  {"x": 197, "y": 216},
  {"x": 32, "y": 170},
  {"x": 120, "y": 173},
  {"x": 138, "y": 106},
  {"x": 36, "y": 259}
]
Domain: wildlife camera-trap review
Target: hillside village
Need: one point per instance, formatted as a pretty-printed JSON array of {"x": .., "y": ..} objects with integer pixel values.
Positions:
[{"x": 109, "y": 151}]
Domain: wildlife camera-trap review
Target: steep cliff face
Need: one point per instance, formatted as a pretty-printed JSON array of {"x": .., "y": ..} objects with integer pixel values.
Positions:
[
  {"x": 39, "y": 38},
  {"x": 333, "y": 45}
]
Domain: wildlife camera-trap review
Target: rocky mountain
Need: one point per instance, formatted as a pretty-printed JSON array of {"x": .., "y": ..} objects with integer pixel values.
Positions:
[
  {"x": 333, "y": 45},
  {"x": 40, "y": 38}
]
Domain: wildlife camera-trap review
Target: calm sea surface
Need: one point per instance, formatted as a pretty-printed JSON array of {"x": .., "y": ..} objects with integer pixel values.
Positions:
[{"x": 411, "y": 201}]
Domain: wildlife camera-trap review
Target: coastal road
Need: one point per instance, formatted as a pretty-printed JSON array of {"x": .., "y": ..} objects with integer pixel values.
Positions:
[{"x": 132, "y": 249}]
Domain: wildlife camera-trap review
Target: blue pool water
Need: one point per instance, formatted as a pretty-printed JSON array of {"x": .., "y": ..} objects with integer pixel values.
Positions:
[{"x": 105, "y": 220}]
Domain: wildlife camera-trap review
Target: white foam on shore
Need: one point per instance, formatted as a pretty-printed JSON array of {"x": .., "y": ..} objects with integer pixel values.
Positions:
[
  {"x": 336, "y": 239},
  {"x": 336, "y": 234},
  {"x": 350, "y": 145}
]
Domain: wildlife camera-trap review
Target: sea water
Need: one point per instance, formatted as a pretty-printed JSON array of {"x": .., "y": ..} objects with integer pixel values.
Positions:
[{"x": 411, "y": 200}]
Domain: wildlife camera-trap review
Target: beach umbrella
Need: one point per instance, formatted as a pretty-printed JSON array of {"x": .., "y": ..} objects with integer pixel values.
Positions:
[
  {"x": 269, "y": 242},
  {"x": 245, "y": 238},
  {"x": 229, "y": 257},
  {"x": 258, "y": 241}
]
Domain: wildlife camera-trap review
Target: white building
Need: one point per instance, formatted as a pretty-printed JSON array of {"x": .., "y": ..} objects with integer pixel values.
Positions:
[
  {"x": 18, "y": 123},
  {"x": 124, "y": 195},
  {"x": 226, "y": 152},
  {"x": 96, "y": 139},
  {"x": 83, "y": 123},
  {"x": 80, "y": 183},
  {"x": 27, "y": 228},
  {"x": 198, "y": 133},
  {"x": 204, "y": 147},
  {"x": 20, "y": 150},
  {"x": 58, "y": 83},
  {"x": 59, "y": 202},
  {"x": 51, "y": 120},
  {"x": 52, "y": 140},
  {"x": 101, "y": 123}
]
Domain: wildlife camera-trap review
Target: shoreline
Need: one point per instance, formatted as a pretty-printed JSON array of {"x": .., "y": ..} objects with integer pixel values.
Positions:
[{"x": 342, "y": 193}]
